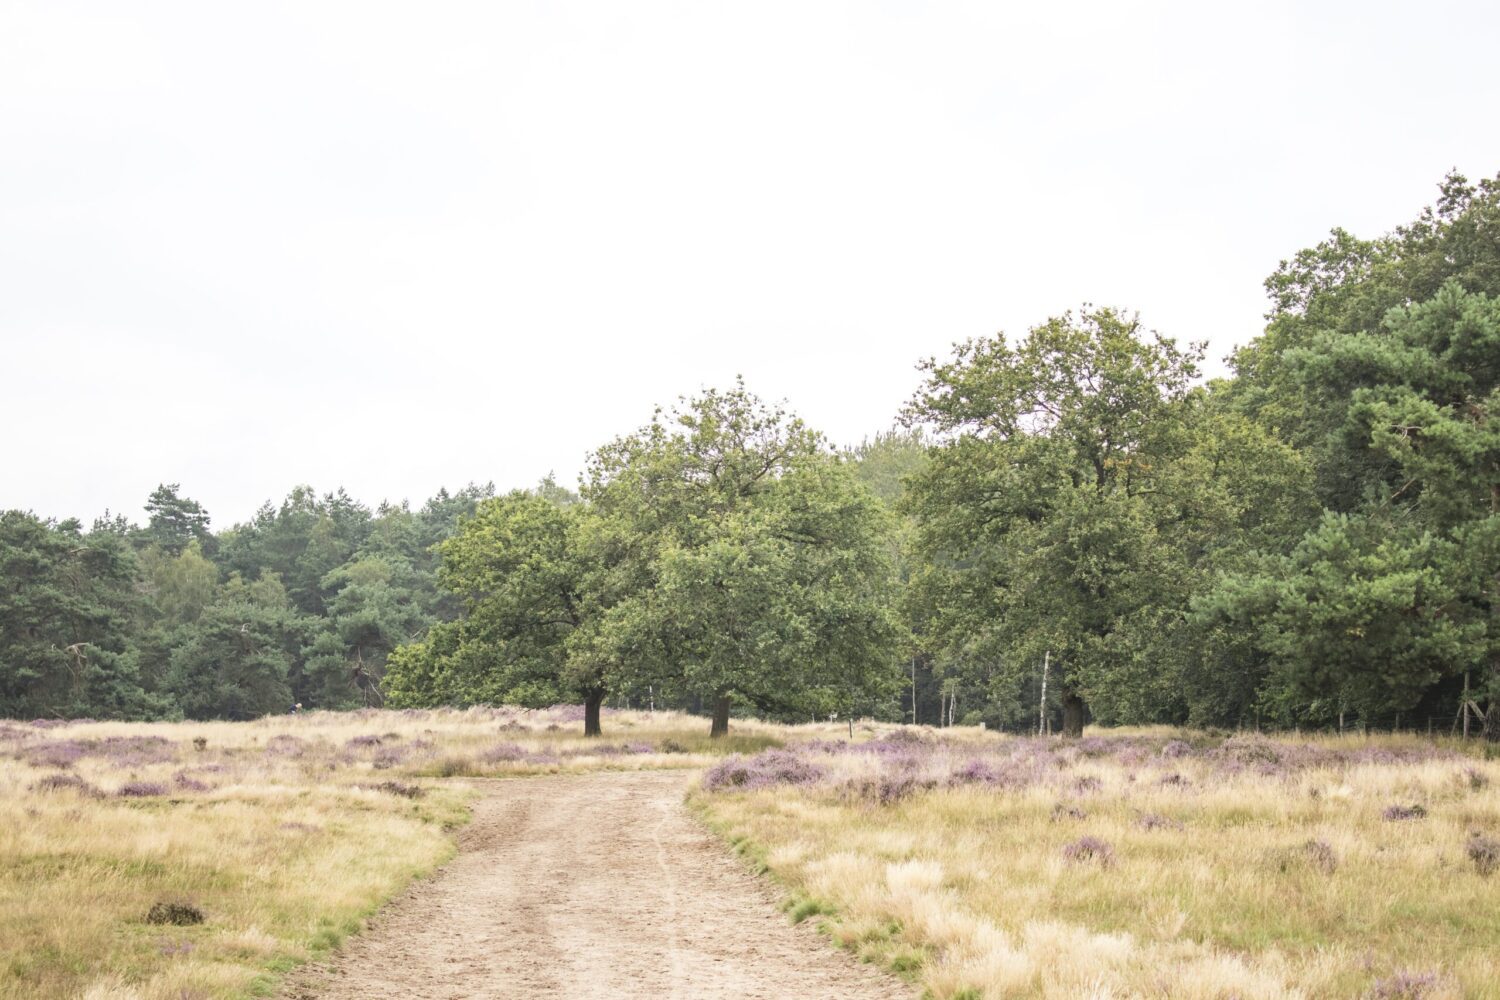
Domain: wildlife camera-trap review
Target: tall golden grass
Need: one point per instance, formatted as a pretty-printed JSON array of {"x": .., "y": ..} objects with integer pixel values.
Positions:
[
  {"x": 285, "y": 833},
  {"x": 1261, "y": 883}
]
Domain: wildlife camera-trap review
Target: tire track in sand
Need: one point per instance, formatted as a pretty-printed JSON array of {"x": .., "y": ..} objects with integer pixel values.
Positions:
[{"x": 589, "y": 886}]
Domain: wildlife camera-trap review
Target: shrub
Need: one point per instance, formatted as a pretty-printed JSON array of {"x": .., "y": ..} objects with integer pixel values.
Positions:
[
  {"x": 1251, "y": 748},
  {"x": 396, "y": 788},
  {"x": 975, "y": 772},
  {"x": 1485, "y": 853},
  {"x": 1396, "y": 813},
  {"x": 141, "y": 789},
  {"x": 67, "y": 783},
  {"x": 136, "y": 751},
  {"x": 56, "y": 753},
  {"x": 286, "y": 746},
  {"x": 1176, "y": 748},
  {"x": 1156, "y": 821},
  {"x": 1405, "y": 986},
  {"x": 387, "y": 758},
  {"x": 1321, "y": 856},
  {"x": 766, "y": 769},
  {"x": 503, "y": 753},
  {"x": 1089, "y": 849},
  {"x": 177, "y": 914},
  {"x": 888, "y": 789}
]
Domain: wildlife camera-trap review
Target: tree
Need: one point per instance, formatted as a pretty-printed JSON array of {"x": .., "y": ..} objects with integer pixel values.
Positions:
[
  {"x": 182, "y": 585},
  {"x": 1041, "y": 517},
  {"x": 523, "y": 572},
  {"x": 1361, "y": 615},
  {"x": 741, "y": 560},
  {"x": 234, "y": 661},
  {"x": 67, "y": 612},
  {"x": 1379, "y": 604},
  {"x": 174, "y": 521},
  {"x": 1379, "y": 362}
]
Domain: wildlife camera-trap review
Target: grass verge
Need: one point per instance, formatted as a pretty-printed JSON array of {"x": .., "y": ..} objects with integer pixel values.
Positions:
[{"x": 1136, "y": 864}]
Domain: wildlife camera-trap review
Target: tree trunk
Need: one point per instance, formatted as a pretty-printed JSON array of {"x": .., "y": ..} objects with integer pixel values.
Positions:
[
  {"x": 593, "y": 702},
  {"x": 721, "y": 717},
  {"x": 1072, "y": 706}
]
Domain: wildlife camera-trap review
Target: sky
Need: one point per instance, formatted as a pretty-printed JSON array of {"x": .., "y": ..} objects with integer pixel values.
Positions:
[{"x": 393, "y": 247}]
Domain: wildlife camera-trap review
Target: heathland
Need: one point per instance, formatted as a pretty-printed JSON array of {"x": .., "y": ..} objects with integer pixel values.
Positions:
[
  {"x": 198, "y": 859},
  {"x": 205, "y": 859}
]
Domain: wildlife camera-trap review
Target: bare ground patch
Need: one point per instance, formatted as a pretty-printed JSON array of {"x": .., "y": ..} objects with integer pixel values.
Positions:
[{"x": 595, "y": 885}]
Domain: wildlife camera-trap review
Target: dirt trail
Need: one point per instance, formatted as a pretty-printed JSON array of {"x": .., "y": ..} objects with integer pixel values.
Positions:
[{"x": 588, "y": 886}]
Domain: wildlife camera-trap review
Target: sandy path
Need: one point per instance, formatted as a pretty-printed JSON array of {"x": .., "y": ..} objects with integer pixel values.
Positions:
[{"x": 594, "y": 885}]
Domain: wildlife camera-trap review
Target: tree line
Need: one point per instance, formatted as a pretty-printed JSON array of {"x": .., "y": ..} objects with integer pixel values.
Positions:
[
  {"x": 1064, "y": 527},
  {"x": 303, "y": 603}
]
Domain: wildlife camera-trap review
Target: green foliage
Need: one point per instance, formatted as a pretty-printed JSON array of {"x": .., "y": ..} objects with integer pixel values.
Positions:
[
  {"x": 175, "y": 521},
  {"x": 66, "y": 612},
  {"x": 1045, "y": 519},
  {"x": 236, "y": 660},
  {"x": 741, "y": 561},
  {"x": 522, "y": 570}
]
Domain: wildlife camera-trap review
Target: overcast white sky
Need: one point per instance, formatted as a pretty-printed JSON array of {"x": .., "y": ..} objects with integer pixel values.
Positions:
[{"x": 398, "y": 246}]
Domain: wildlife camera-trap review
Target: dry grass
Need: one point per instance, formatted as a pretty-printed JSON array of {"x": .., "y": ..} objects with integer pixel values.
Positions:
[
  {"x": 1102, "y": 875},
  {"x": 979, "y": 865},
  {"x": 286, "y": 833}
]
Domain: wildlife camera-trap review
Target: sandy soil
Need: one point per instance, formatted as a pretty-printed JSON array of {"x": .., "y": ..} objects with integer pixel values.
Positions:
[{"x": 594, "y": 885}]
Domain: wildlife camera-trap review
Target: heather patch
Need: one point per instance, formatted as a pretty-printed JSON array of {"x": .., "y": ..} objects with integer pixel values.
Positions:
[
  {"x": 1062, "y": 810},
  {"x": 1405, "y": 986},
  {"x": 1397, "y": 812},
  {"x": 1320, "y": 856},
  {"x": 1086, "y": 850},
  {"x": 136, "y": 751},
  {"x": 400, "y": 788},
  {"x": 1484, "y": 852},
  {"x": 174, "y": 913},
  {"x": 66, "y": 783},
  {"x": 117, "y": 751},
  {"x": 763, "y": 770},
  {"x": 55, "y": 753},
  {"x": 504, "y": 753},
  {"x": 388, "y": 757},
  {"x": 141, "y": 789},
  {"x": 286, "y": 745},
  {"x": 1156, "y": 821},
  {"x": 887, "y": 789},
  {"x": 975, "y": 772},
  {"x": 1173, "y": 749}
]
